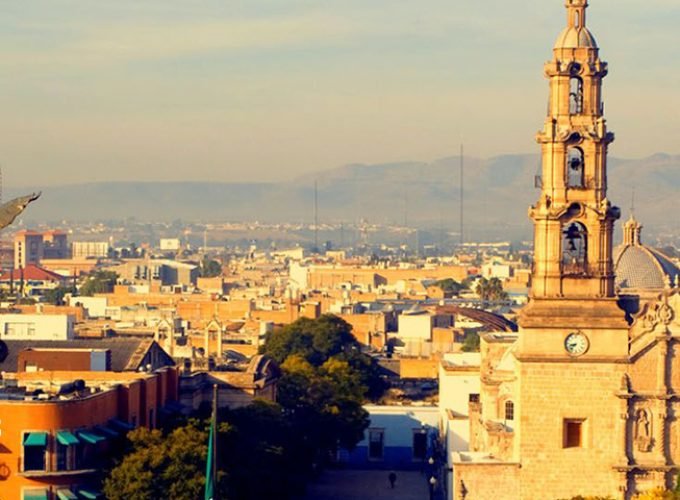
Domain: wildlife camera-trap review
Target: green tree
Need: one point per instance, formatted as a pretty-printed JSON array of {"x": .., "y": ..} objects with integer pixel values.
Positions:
[
  {"x": 210, "y": 268},
  {"x": 325, "y": 381},
  {"x": 158, "y": 466},
  {"x": 56, "y": 295},
  {"x": 100, "y": 281},
  {"x": 449, "y": 285},
  {"x": 471, "y": 342},
  {"x": 491, "y": 290},
  {"x": 314, "y": 339},
  {"x": 261, "y": 455}
]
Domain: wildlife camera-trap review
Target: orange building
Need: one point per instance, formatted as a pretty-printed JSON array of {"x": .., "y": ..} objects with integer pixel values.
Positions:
[{"x": 57, "y": 427}]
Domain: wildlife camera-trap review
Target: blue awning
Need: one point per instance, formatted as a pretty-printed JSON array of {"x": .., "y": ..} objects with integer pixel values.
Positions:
[
  {"x": 35, "y": 495},
  {"x": 90, "y": 437},
  {"x": 66, "y": 438},
  {"x": 35, "y": 439},
  {"x": 107, "y": 431},
  {"x": 120, "y": 424},
  {"x": 66, "y": 494}
]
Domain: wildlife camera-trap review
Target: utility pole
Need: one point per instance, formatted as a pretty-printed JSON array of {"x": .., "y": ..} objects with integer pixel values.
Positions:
[
  {"x": 316, "y": 217},
  {"x": 462, "y": 203}
]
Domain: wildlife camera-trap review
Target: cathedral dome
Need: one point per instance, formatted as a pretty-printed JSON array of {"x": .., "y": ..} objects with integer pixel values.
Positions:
[
  {"x": 575, "y": 38},
  {"x": 640, "y": 267}
]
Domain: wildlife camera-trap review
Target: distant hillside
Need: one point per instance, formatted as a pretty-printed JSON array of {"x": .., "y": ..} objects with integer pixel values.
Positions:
[{"x": 497, "y": 193}]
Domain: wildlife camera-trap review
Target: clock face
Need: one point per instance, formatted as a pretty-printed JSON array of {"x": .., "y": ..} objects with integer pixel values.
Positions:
[{"x": 576, "y": 343}]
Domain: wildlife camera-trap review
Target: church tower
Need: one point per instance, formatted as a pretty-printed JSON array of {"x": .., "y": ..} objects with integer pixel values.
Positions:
[
  {"x": 573, "y": 218},
  {"x": 572, "y": 349}
]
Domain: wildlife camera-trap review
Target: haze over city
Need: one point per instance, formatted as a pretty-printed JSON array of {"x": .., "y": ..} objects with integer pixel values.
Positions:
[
  {"x": 267, "y": 90},
  {"x": 357, "y": 250}
]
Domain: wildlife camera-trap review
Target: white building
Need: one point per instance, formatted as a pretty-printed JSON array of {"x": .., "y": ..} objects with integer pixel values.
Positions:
[
  {"x": 37, "y": 326},
  {"x": 94, "y": 306},
  {"x": 416, "y": 325},
  {"x": 459, "y": 384},
  {"x": 85, "y": 249},
  {"x": 398, "y": 437},
  {"x": 170, "y": 244}
]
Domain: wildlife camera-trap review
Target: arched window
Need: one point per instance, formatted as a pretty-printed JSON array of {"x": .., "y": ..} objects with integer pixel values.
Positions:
[
  {"x": 575, "y": 95},
  {"x": 574, "y": 249},
  {"x": 509, "y": 410},
  {"x": 575, "y": 168}
]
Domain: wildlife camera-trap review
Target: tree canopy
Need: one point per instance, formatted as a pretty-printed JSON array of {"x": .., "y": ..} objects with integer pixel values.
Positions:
[
  {"x": 449, "y": 285},
  {"x": 326, "y": 379},
  {"x": 158, "y": 466},
  {"x": 100, "y": 281},
  {"x": 491, "y": 290},
  {"x": 210, "y": 268},
  {"x": 265, "y": 449},
  {"x": 56, "y": 295}
]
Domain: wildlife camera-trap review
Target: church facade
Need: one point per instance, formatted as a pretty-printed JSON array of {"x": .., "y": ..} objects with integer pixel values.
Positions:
[{"x": 586, "y": 399}]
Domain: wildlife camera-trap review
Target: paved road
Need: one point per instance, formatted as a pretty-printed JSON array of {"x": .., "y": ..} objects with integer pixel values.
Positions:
[{"x": 367, "y": 485}]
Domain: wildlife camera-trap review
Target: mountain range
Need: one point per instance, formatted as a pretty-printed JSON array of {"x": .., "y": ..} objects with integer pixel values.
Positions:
[{"x": 497, "y": 193}]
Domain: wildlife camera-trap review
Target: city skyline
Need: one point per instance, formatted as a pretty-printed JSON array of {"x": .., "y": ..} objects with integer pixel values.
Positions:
[{"x": 272, "y": 90}]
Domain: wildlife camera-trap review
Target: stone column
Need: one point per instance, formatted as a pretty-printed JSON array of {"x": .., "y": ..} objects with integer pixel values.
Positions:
[{"x": 660, "y": 452}]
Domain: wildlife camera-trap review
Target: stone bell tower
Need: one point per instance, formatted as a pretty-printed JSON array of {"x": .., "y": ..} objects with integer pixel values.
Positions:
[
  {"x": 573, "y": 218},
  {"x": 572, "y": 348}
]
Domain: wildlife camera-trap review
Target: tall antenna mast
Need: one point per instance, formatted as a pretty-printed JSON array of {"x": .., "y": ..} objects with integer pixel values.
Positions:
[
  {"x": 316, "y": 217},
  {"x": 462, "y": 204}
]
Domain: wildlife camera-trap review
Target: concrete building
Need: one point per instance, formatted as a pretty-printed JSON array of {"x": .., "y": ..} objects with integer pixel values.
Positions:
[
  {"x": 90, "y": 249},
  {"x": 95, "y": 307},
  {"x": 28, "y": 248},
  {"x": 57, "y": 427},
  {"x": 163, "y": 272},
  {"x": 398, "y": 437},
  {"x": 37, "y": 326},
  {"x": 55, "y": 245},
  {"x": 170, "y": 244}
]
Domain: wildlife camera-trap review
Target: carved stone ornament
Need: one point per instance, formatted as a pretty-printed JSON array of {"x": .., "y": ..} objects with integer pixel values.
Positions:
[
  {"x": 665, "y": 314},
  {"x": 643, "y": 430}
]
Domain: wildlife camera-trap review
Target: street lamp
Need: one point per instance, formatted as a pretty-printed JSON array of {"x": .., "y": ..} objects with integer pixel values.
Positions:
[{"x": 433, "y": 484}]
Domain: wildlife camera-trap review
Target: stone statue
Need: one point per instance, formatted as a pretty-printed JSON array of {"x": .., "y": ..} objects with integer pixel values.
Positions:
[
  {"x": 643, "y": 431},
  {"x": 11, "y": 210}
]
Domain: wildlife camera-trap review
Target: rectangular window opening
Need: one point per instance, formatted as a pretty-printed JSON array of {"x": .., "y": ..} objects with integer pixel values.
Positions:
[
  {"x": 419, "y": 444},
  {"x": 376, "y": 444},
  {"x": 573, "y": 433}
]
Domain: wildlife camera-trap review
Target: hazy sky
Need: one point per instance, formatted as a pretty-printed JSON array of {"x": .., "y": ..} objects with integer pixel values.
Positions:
[{"x": 255, "y": 90}]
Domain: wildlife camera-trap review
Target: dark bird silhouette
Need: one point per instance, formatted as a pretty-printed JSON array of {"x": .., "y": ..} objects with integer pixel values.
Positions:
[{"x": 11, "y": 210}]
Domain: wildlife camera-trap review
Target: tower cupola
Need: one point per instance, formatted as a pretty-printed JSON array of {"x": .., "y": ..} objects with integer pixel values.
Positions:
[{"x": 576, "y": 35}]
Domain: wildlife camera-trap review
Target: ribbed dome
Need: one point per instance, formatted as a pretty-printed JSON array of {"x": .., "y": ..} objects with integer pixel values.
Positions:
[
  {"x": 575, "y": 38},
  {"x": 641, "y": 267}
]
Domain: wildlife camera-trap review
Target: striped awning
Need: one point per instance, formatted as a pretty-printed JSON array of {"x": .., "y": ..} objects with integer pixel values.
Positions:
[
  {"x": 35, "y": 439},
  {"x": 107, "y": 431},
  {"x": 86, "y": 493},
  {"x": 66, "y": 438},
  {"x": 66, "y": 494},
  {"x": 120, "y": 424},
  {"x": 90, "y": 437}
]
